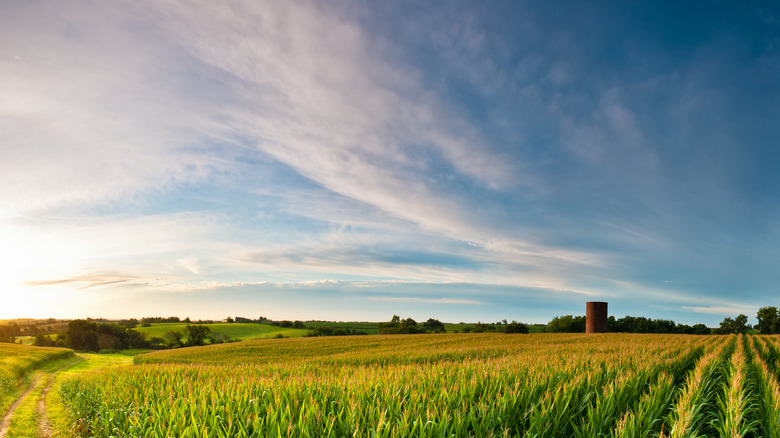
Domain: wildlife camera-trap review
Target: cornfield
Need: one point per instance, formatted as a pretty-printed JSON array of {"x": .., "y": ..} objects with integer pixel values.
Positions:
[{"x": 449, "y": 385}]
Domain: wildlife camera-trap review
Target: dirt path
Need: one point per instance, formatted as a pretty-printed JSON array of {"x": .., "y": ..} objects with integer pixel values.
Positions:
[
  {"x": 44, "y": 427},
  {"x": 7, "y": 418}
]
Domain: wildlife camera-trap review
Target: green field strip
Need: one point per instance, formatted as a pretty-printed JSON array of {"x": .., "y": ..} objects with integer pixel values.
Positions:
[{"x": 236, "y": 330}]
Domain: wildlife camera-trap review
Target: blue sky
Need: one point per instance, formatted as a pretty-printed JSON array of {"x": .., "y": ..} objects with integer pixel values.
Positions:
[{"x": 350, "y": 161}]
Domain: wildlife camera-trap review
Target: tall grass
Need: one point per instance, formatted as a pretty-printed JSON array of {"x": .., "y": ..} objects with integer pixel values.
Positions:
[{"x": 17, "y": 361}]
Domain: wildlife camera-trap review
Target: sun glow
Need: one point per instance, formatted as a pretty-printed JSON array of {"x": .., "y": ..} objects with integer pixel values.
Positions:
[{"x": 27, "y": 257}]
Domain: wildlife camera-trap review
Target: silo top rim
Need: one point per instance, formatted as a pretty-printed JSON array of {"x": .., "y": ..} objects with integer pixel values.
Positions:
[{"x": 597, "y": 302}]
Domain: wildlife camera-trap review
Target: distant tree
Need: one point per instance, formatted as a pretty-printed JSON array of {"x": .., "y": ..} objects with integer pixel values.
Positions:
[
  {"x": 701, "y": 329},
  {"x": 106, "y": 341},
  {"x": 229, "y": 320},
  {"x": 481, "y": 327},
  {"x": 299, "y": 325},
  {"x": 173, "y": 339},
  {"x": 329, "y": 331},
  {"x": 736, "y": 325},
  {"x": 7, "y": 334},
  {"x": 398, "y": 326},
  {"x": 683, "y": 329},
  {"x": 197, "y": 334},
  {"x": 515, "y": 327},
  {"x": 434, "y": 326},
  {"x": 42, "y": 340},
  {"x": 89, "y": 340},
  {"x": 566, "y": 324},
  {"x": 285, "y": 323},
  {"x": 768, "y": 320}
]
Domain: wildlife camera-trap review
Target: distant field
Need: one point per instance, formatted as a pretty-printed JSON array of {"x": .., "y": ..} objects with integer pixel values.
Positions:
[
  {"x": 236, "y": 330},
  {"x": 462, "y": 385},
  {"x": 371, "y": 328}
]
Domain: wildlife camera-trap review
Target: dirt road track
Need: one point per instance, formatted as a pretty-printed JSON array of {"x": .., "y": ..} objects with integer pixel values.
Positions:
[{"x": 7, "y": 418}]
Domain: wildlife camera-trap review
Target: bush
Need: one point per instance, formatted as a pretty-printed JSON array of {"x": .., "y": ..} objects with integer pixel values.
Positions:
[{"x": 516, "y": 327}]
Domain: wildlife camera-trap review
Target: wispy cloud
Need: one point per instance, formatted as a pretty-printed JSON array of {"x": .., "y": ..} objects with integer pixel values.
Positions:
[
  {"x": 723, "y": 310},
  {"x": 425, "y": 300}
]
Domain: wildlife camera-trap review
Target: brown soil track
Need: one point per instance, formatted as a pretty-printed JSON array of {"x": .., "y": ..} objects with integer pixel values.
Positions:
[
  {"x": 44, "y": 428},
  {"x": 7, "y": 418}
]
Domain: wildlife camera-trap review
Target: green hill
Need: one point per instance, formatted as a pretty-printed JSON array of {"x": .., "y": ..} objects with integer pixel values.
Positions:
[{"x": 236, "y": 330}]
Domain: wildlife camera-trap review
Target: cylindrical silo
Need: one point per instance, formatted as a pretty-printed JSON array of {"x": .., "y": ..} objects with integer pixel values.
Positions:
[{"x": 596, "y": 317}]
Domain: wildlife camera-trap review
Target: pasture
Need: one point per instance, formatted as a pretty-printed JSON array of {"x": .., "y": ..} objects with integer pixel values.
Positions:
[{"x": 236, "y": 330}]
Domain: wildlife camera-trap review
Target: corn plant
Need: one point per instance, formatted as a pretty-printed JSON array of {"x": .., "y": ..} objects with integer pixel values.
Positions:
[
  {"x": 454, "y": 385},
  {"x": 690, "y": 412},
  {"x": 736, "y": 402}
]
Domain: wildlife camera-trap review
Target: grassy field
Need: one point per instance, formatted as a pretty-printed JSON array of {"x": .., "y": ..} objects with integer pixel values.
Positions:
[
  {"x": 17, "y": 362},
  {"x": 242, "y": 331},
  {"x": 481, "y": 385},
  {"x": 372, "y": 328}
]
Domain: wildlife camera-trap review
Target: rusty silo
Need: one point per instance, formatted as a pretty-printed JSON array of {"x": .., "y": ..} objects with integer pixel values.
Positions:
[{"x": 596, "y": 317}]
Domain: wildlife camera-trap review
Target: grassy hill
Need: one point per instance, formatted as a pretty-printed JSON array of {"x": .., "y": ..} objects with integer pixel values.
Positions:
[{"x": 236, "y": 330}]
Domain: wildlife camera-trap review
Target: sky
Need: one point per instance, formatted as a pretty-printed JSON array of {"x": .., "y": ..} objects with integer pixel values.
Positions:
[{"x": 348, "y": 160}]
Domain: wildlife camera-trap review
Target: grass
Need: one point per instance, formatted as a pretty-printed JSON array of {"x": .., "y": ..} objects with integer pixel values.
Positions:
[{"x": 17, "y": 362}]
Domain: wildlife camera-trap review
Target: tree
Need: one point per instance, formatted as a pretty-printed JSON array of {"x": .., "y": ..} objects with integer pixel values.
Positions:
[
  {"x": 736, "y": 325},
  {"x": 197, "y": 334},
  {"x": 515, "y": 327},
  {"x": 173, "y": 339},
  {"x": 229, "y": 320},
  {"x": 566, "y": 324},
  {"x": 768, "y": 320},
  {"x": 398, "y": 326},
  {"x": 43, "y": 341},
  {"x": 434, "y": 326}
]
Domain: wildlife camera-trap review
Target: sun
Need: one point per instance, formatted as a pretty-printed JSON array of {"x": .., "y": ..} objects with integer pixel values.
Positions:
[{"x": 28, "y": 258}]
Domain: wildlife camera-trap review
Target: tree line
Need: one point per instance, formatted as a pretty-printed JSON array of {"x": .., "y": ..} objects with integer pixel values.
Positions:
[
  {"x": 90, "y": 335},
  {"x": 409, "y": 326},
  {"x": 627, "y": 324}
]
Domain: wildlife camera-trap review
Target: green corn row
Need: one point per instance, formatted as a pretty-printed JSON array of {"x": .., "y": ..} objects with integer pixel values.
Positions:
[
  {"x": 646, "y": 419},
  {"x": 768, "y": 393},
  {"x": 736, "y": 403},
  {"x": 692, "y": 408},
  {"x": 622, "y": 395}
]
